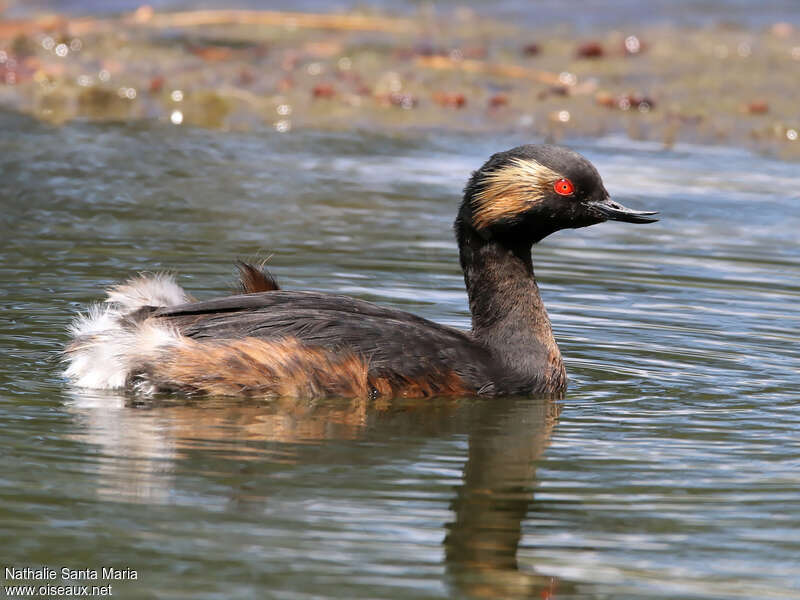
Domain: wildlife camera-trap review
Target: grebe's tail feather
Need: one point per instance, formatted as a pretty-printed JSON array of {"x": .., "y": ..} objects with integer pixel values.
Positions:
[
  {"x": 254, "y": 279},
  {"x": 107, "y": 342}
]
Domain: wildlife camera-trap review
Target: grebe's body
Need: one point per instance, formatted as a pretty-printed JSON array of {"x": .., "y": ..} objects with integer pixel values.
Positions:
[{"x": 150, "y": 336}]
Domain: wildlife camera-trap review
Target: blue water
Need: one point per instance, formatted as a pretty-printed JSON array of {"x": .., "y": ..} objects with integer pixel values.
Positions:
[{"x": 670, "y": 470}]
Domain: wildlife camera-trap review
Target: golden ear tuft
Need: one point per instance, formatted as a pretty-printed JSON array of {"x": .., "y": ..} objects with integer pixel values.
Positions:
[{"x": 510, "y": 191}]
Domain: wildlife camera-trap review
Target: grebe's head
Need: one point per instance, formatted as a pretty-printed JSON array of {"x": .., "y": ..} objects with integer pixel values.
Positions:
[{"x": 528, "y": 192}]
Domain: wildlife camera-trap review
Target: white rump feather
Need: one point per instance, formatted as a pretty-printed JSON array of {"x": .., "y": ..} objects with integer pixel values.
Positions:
[{"x": 104, "y": 350}]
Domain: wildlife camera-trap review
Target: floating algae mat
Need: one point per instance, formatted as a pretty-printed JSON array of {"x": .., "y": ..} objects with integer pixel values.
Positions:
[{"x": 238, "y": 69}]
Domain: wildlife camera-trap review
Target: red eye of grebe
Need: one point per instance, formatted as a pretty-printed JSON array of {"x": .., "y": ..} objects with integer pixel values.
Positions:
[{"x": 564, "y": 187}]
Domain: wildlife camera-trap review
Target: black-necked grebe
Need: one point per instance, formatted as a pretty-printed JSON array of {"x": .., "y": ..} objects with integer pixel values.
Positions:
[{"x": 150, "y": 336}]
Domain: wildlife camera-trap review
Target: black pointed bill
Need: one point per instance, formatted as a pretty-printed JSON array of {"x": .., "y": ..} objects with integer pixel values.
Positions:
[{"x": 614, "y": 211}]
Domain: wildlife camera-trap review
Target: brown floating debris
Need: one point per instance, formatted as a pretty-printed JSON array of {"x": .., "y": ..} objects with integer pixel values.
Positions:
[
  {"x": 757, "y": 107},
  {"x": 451, "y": 100},
  {"x": 642, "y": 103},
  {"x": 323, "y": 90},
  {"x": 156, "y": 84},
  {"x": 625, "y": 101},
  {"x": 531, "y": 49},
  {"x": 605, "y": 99},
  {"x": 590, "y": 50},
  {"x": 498, "y": 101},
  {"x": 554, "y": 90}
]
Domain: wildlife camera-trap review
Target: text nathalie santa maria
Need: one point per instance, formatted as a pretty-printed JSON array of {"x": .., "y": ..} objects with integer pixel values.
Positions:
[{"x": 51, "y": 574}]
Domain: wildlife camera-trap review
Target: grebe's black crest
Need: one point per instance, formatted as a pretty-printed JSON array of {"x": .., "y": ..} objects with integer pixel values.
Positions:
[{"x": 151, "y": 336}]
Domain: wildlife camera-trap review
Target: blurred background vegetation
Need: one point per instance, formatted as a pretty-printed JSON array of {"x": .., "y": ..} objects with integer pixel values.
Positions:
[{"x": 721, "y": 72}]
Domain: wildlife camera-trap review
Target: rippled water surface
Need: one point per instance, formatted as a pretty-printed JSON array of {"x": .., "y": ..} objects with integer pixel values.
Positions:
[{"x": 669, "y": 471}]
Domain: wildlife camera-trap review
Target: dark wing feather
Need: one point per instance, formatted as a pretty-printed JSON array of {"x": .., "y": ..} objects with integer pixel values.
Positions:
[{"x": 396, "y": 343}]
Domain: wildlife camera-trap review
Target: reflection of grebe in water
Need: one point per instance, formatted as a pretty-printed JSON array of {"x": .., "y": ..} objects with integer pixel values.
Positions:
[
  {"x": 151, "y": 337},
  {"x": 265, "y": 461}
]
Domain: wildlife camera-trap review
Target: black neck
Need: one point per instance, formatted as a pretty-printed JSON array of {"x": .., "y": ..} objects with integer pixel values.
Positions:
[{"x": 508, "y": 315}]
